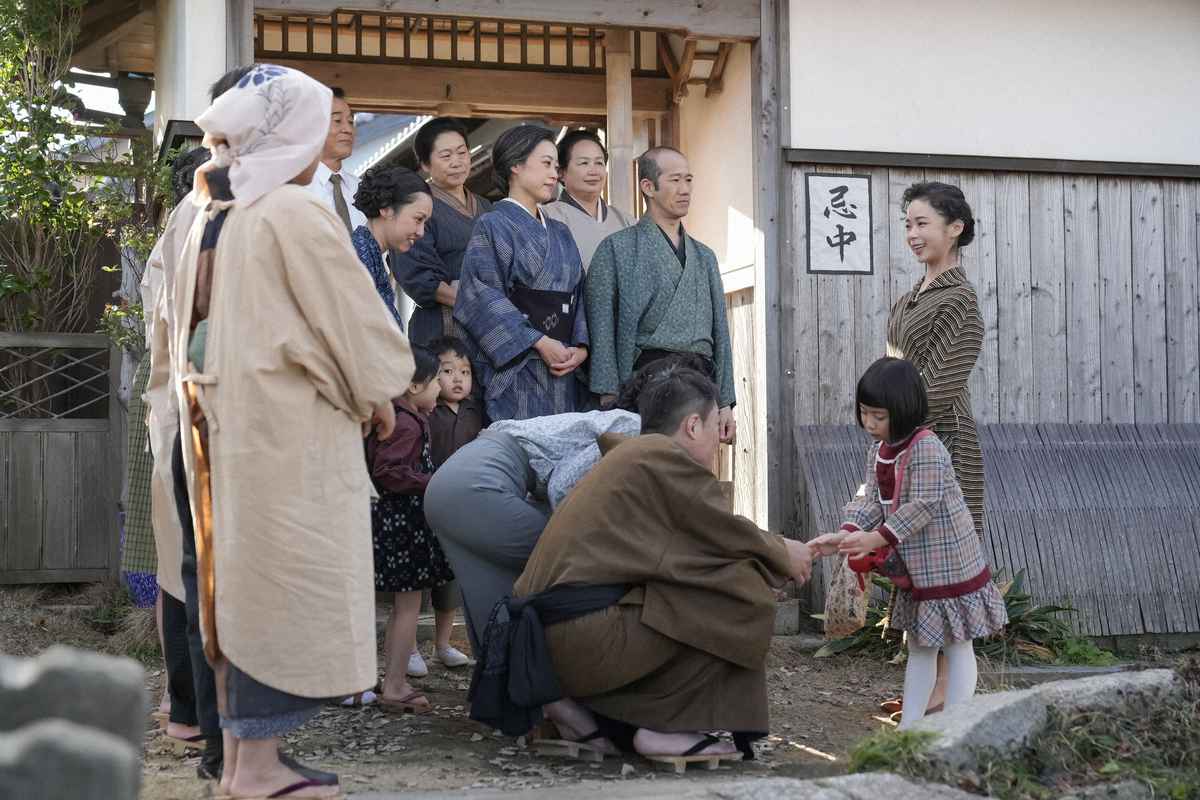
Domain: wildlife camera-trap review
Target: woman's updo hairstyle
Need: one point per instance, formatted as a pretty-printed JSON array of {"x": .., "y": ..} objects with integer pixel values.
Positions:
[
  {"x": 512, "y": 148},
  {"x": 428, "y": 134},
  {"x": 948, "y": 200},
  {"x": 388, "y": 187}
]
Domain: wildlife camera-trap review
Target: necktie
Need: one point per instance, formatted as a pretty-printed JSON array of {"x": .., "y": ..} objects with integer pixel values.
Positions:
[{"x": 339, "y": 200}]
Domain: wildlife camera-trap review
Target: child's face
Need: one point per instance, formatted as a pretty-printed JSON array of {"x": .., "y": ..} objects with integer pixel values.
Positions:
[
  {"x": 876, "y": 421},
  {"x": 424, "y": 396},
  {"x": 455, "y": 377}
]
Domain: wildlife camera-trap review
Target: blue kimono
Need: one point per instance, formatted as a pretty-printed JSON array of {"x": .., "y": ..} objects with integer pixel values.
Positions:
[
  {"x": 511, "y": 248},
  {"x": 372, "y": 258}
]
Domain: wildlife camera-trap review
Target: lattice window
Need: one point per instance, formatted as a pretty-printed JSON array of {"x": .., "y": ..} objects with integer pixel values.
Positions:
[
  {"x": 428, "y": 40},
  {"x": 54, "y": 377}
]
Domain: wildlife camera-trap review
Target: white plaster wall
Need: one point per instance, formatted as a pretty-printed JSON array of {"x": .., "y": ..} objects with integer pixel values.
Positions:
[
  {"x": 189, "y": 57},
  {"x": 1102, "y": 80},
  {"x": 716, "y": 134}
]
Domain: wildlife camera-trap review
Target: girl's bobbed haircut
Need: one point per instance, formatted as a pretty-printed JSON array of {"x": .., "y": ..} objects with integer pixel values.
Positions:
[
  {"x": 388, "y": 187},
  {"x": 430, "y": 131},
  {"x": 427, "y": 364},
  {"x": 894, "y": 384},
  {"x": 671, "y": 395},
  {"x": 949, "y": 201},
  {"x": 513, "y": 147}
]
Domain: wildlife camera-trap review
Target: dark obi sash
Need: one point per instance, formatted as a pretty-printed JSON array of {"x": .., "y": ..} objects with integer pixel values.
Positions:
[
  {"x": 552, "y": 313},
  {"x": 514, "y": 675}
]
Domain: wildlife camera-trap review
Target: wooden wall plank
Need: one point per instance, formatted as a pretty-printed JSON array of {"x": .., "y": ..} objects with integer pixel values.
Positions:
[
  {"x": 1048, "y": 285},
  {"x": 838, "y": 331},
  {"x": 1183, "y": 321},
  {"x": 26, "y": 503},
  {"x": 1149, "y": 303},
  {"x": 835, "y": 354},
  {"x": 979, "y": 260},
  {"x": 1014, "y": 299},
  {"x": 6, "y": 491},
  {"x": 741, "y": 324},
  {"x": 905, "y": 269},
  {"x": 1116, "y": 299},
  {"x": 59, "y": 487},
  {"x": 803, "y": 357},
  {"x": 96, "y": 516},
  {"x": 871, "y": 292},
  {"x": 1082, "y": 262}
]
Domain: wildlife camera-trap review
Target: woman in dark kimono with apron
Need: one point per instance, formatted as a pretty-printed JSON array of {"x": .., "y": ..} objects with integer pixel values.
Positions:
[
  {"x": 521, "y": 296},
  {"x": 429, "y": 271}
]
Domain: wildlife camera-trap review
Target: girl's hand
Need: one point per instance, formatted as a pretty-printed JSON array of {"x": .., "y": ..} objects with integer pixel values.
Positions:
[
  {"x": 860, "y": 543},
  {"x": 827, "y": 543}
]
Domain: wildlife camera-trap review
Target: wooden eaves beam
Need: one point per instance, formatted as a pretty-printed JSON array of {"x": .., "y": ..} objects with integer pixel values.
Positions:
[
  {"x": 98, "y": 34},
  {"x": 716, "y": 77},
  {"x": 728, "y": 20},
  {"x": 406, "y": 88}
]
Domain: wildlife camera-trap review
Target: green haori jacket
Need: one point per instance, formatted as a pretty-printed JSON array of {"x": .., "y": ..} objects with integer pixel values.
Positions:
[{"x": 639, "y": 298}]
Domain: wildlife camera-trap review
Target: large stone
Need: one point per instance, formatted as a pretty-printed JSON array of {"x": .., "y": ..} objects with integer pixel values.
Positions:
[
  {"x": 1002, "y": 723},
  {"x": 60, "y": 759},
  {"x": 92, "y": 690},
  {"x": 872, "y": 786}
]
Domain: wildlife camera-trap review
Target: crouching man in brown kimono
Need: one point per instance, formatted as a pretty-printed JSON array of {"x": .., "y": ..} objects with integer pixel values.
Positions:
[{"x": 683, "y": 649}]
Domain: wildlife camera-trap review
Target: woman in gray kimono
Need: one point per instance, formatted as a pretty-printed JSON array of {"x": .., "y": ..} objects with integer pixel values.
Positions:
[
  {"x": 583, "y": 167},
  {"x": 429, "y": 271}
]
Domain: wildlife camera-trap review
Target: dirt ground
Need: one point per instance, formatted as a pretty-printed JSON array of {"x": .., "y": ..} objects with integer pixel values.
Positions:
[{"x": 819, "y": 709}]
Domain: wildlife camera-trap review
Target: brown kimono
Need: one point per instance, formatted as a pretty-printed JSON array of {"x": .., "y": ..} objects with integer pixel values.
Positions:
[{"x": 684, "y": 650}]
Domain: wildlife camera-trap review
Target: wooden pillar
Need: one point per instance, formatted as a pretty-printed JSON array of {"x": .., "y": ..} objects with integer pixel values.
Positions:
[
  {"x": 618, "y": 76},
  {"x": 239, "y": 47}
]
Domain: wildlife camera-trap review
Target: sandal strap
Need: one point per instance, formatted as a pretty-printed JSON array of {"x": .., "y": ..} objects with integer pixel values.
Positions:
[
  {"x": 294, "y": 787},
  {"x": 708, "y": 741},
  {"x": 591, "y": 737}
]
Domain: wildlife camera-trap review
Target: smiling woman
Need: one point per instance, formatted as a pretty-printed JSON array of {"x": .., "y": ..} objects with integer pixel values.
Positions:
[
  {"x": 397, "y": 204},
  {"x": 583, "y": 164},
  {"x": 521, "y": 297}
]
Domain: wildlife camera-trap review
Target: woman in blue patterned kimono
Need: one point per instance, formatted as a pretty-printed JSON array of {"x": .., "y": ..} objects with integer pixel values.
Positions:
[
  {"x": 521, "y": 293},
  {"x": 397, "y": 204}
]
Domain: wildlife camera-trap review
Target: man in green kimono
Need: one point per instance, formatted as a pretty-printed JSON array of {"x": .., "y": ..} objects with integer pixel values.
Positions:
[{"x": 653, "y": 290}]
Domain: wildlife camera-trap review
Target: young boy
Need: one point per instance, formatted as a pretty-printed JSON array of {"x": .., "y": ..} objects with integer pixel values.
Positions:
[
  {"x": 456, "y": 420},
  {"x": 458, "y": 417}
]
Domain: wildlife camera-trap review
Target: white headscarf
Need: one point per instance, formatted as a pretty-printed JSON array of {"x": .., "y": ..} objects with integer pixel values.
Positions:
[{"x": 267, "y": 130}]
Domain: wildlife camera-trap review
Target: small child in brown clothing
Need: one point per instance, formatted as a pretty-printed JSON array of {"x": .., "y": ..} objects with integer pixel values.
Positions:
[{"x": 458, "y": 418}]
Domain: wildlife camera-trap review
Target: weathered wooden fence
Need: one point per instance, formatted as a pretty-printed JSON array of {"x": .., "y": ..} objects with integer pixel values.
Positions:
[
  {"x": 60, "y": 458},
  {"x": 1103, "y": 517}
]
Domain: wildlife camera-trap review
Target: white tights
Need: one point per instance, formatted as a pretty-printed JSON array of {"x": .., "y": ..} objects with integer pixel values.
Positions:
[{"x": 921, "y": 673}]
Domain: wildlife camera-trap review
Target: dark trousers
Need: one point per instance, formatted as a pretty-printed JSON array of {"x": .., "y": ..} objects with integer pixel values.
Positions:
[
  {"x": 180, "y": 683},
  {"x": 202, "y": 674}
]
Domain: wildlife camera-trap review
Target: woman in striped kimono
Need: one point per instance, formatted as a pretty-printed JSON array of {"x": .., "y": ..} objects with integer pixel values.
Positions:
[
  {"x": 521, "y": 295},
  {"x": 937, "y": 326}
]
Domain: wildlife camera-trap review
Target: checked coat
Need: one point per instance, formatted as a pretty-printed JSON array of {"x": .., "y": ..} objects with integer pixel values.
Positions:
[{"x": 953, "y": 597}]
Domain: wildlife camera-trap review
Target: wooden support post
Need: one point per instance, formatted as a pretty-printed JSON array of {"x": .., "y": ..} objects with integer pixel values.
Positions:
[
  {"x": 239, "y": 26},
  {"x": 618, "y": 72}
]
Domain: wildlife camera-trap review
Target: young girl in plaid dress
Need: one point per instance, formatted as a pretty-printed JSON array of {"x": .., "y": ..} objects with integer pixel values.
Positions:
[{"x": 911, "y": 501}]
